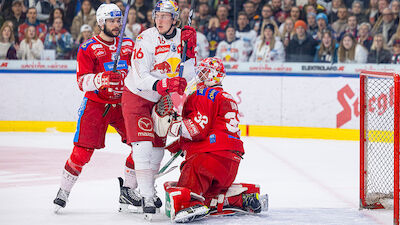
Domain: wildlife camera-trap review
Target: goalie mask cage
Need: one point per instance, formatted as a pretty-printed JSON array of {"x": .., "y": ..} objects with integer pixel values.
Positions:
[{"x": 379, "y": 141}]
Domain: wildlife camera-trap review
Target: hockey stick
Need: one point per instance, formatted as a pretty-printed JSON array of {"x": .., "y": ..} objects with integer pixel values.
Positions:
[
  {"x": 117, "y": 53},
  {"x": 181, "y": 68}
]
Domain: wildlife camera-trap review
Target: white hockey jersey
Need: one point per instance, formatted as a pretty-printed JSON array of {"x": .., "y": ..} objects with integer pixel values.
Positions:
[
  {"x": 233, "y": 52},
  {"x": 266, "y": 54},
  {"x": 155, "y": 57}
]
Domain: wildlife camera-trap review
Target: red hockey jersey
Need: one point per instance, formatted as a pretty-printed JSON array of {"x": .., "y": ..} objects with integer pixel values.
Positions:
[
  {"x": 96, "y": 56},
  {"x": 210, "y": 117}
]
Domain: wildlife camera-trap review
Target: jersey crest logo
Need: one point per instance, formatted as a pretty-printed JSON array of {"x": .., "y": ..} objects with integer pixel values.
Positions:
[{"x": 169, "y": 67}]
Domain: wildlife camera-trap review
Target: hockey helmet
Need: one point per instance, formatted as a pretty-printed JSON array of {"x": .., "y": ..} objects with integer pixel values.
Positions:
[
  {"x": 210, "y": 71},
  {"x": 169, "y": 6},
  {"x": 107, "y": 11}
]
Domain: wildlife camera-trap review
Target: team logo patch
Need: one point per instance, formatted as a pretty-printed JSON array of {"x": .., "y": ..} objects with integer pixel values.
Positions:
[
  {"x": 127, "y": 43},
  {"x": 99, "y": 53},
  {"x": 145, "y": 124},
  {"x": 212, "y": 94},
  {"x": 96, "y": 46},
  {"x": 169, "y": 67},
  {"x": 87, "y": 43}
]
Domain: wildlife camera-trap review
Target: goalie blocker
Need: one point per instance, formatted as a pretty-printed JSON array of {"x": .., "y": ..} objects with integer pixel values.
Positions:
[{"x": 183, "y": 205}]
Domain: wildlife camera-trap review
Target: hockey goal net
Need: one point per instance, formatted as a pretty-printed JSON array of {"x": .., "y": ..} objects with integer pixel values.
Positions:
[{"x": 379, "y": 141}]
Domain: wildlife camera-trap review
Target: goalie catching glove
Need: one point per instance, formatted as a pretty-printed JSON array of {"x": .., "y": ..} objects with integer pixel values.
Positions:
[{"x": 163, "y": 115}]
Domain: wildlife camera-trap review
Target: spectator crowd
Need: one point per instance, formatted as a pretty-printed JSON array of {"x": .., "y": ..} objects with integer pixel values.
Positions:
[{"x": 330, "y": 31}]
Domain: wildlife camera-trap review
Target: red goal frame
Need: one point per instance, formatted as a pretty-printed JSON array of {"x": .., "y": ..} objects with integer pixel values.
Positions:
[{"x": 363, "y": 170}]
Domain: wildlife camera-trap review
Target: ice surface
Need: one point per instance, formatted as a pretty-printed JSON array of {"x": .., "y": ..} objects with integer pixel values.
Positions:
[{"x": 308, "y": 182}]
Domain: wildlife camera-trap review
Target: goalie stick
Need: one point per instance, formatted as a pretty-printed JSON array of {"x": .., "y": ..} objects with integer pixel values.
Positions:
[{"x": 117, "y": 53}]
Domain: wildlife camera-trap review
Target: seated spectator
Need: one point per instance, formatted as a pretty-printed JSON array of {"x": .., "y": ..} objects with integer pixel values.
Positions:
[
  {"x": 351, "y": 27},
  {"x": 251, "y": 11},
  {"x": 244, "y": 32},
  {"x": 396, "y": 51},
  {"x": 386, "y": 25},
  {"x": 276, "y": 6},
  {"x": 214, "y": 34},
  {"x": 267, "y": 16},
  {"x": 351, "y": 52},
  {"x": 31, "y": 47},
  {"x": 268, "y": 48},
  {"x": 16, "y": 16},
  {"x": 133, "y": 28},
  {"x": 56, "y": 13},
  {"x": 203, "y": 16},
  {"x": 7, "y": 49},
  {"x": 327, "y": 50},
  {"x": 31, "y": 20},
  {"x": 323, "y": 25},
  {"x": 340, "y": 24},
  {"x": 222, "y": 15},
  {"x": 295, "y": 13},
  {"x": 379, "y": 51},
  {"x": 59, "y": 39},
  {"x": 372, "y": 13},
  {"x": 202, "y": 42},
  {"x": 302, "y": 47},
  {"x": 364, "y": 36},
  {"x": 45, "y": 7},
  {"x": 87, "y": 15},
  {"x": 395, "y": 7},
  {"x": 149, "y": 19},
  {"x": 232, "y": 49},
  {"x": 358, "y": 12},
  {"x": 287, "y": 31},
  {"x": 312, "y": 25},
  {"x": 141, "y": 10},
  {"x": 333, "y": 10}
]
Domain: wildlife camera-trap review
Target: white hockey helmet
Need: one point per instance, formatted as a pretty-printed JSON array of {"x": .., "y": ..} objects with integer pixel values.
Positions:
[
  {"x": 169, "y": 6},
  {"x": 210, "y": 71},
  {"x": 107, "y": 11}
]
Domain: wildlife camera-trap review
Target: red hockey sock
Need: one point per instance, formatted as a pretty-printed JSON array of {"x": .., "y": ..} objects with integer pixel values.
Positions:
[{"x": 79, "y": 157}]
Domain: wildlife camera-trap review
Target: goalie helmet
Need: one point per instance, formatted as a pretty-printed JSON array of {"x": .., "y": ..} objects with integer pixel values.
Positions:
[
  {"x": 107, "y": 11},
  {"x": 168, "y": 6},
  {"x": 210, "y": 71}
]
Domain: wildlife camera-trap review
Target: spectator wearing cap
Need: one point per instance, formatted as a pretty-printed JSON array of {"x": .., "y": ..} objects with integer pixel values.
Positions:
[
  {"x": 358, "y": 11},
  {"x": 340, "y": 24},
  {"x": 41, "y": 28},
  {"x": 302, "y": 47},
  {"x": 350, "y": 51},
  {"x": 379, "y": 51},
  {"x": 312, "y": 25},
  {"x": 386, "y": 26},
  {"x": 396, "y": 51},
  {"x": 244, "y": 32},
  {"x": 133, "y": 28},
  {"x": 16, "y": 16},
  {"x": 86, "y": 15},
  {"x": 268, "y": 48},
  {"x": 232, "y": 49},
  {"x": 59, "y": 39},
  {"x": 323, "y": 26},
  {"x": 351, "y": 27},
  {"x": 364, "y": 37},
  {"x": 327, "y": 50},
  {"x": 45, "y": 7},
  {"x": 86, "y": 32}
]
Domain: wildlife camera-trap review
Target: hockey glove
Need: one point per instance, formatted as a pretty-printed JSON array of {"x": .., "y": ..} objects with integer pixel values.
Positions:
[
  {"x": 169, "y": 85},
  {"x": 189, "y": 36},
  {"x": 108, "y": 79}
]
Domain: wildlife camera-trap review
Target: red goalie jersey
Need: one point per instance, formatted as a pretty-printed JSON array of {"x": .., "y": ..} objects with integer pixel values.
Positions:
[
  {"x": 210, "y": 119},
  {"x": 96, "y": 56}
]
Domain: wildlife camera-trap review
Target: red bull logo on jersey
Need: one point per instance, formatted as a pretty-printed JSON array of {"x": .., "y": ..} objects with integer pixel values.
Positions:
[{"x": 169, "y": 67}]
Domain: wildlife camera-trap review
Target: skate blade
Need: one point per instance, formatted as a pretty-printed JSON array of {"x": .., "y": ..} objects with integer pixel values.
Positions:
[
  {"x": 127, "y": 208},
  {"x": 148, "y": 216}
]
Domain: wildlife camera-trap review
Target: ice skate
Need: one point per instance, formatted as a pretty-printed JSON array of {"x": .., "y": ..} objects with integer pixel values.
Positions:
[
  {"x": 61, "y": 200},
  {"x": 264, "y": 202},
  {"x": 129, "y": 199},
  {"x": 251, "y": 202},
  {"x": 149, "y": 208},
  {"x": 190, "y": 214}
]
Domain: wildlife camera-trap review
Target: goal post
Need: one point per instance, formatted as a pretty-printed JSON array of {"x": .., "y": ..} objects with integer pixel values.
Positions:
[{"x": 379, "y": 141}]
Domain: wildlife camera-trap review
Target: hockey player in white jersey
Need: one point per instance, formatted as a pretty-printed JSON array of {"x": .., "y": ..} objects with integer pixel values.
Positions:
[
  {"x": 232, "y": 49},
  {"x": 154, "y": 73}
]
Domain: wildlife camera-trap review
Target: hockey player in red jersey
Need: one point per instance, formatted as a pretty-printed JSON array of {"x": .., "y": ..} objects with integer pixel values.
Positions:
[
  {"x": 101, "y": 105},
  {"x": 210, "y": 137},
  {"x": 155, "y": 68}
]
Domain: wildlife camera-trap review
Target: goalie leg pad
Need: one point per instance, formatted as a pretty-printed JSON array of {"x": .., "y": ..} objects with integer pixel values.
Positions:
[{"x": 244, "y": 195}]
